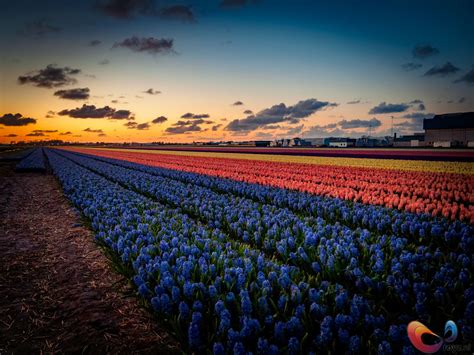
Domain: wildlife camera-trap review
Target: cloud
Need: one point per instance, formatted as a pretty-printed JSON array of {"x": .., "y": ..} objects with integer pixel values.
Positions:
[
  {"x": 295, "y": 130},
  {"x": 421, "y": 107},
  {"x": 39, "y": 28},
  {"x": 354, "y": 102},
  {"x": 150, "y": 45},
  {"x": 104, "y": 62},
  {"x": 419, "y": 115},
  {"x": 126, "y": 9},
  {"x": 423, "y": 51},
  {"x": 384, "y": 108},
  {"x": 91, "y": 111},
  {"x": 178, "y": 12},
  {"x": 10, "y": 119},
  {"x": 94, "y": 43},
  {"x": 159, "y": 120},
  {"x": 416, "y": 101},
  {"x": 238, "y": 103},
  {"x": 73, "y": 94},
  {"x": 216, "y": 127},
  {"x": 130, "y": 124},
  {"x": 467, "y": 78},
  {"x": 186, "y": 126},
  {"x": 325, "y": 130},
  {"x": 279, "y": 114},
  {"x": 50, "y": 77},
  {"x": 195, "y": 116},
  {"x": 462, "y": 100},
  {"x": 65, "y": 133},
  {"x": 411, "y": 66},
  {"x": 45, "y": 131},
  {"x": 444, "y": 70},
  {"x": 89, "y": 130},
  {"x": 102, "y": 135},
  {"x": 235, "y": 3},
  {"x": 354, "y": 124},
  {"x": 36, "y": 134},
  {"x": 143, "y": 126},
  {"x": 150, "y": 91},
  {"x": 50, "y": 114},
  {"x": 11, "y": 135},
  {"x": 248, "y": 112}
]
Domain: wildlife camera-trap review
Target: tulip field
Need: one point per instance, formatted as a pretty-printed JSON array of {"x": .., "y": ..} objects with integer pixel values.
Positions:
[{"x": 278, "y": 254}]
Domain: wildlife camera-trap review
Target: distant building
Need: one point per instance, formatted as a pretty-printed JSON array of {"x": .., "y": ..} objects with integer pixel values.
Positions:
[
  {"x": 413, "y": 140},
  {"x": 450, "y": 130},
  {"x": 371, "y": 142},
  {"x": 338, "y": 142},
  {"x": 262, "y": 143}
]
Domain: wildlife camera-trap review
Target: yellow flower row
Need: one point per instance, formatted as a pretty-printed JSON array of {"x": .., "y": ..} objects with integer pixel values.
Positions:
[{"x": 395, "y": 164}]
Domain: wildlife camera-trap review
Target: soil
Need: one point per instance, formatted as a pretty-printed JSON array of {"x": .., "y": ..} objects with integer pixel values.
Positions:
[{"x": 58, "y": 293}]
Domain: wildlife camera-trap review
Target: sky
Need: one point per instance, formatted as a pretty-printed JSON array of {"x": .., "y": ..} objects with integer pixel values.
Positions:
[{"x": 184, "y": 71}]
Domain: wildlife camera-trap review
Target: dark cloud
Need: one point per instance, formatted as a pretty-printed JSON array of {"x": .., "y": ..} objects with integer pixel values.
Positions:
[
  {"x": 235, "y": 3},
  {"x": 65, "y": 133},
  {"x": 143, "y": 126},
  {"x": 45, "y": 131},
  {"x": 295, "y": 130},
  {"x": 419, "y": 115},
  {"x": 36, "y": 134},
  {"x": 89, "y": 130},
  {"x": 248, "y": 112},
  {"x": 11, "y": 135},
  {"x": 159, "y": 120},
  {"x": 104, "y": 62},
  {"x": 115, "y": 101},
  {"x": 279, "y": 114},
  {"x": 50, "y": 114},
  {"x": 139, "y": 126},
  {"x": 94, "y": 43},
  {"x": 91, "y": 111},
  {"x": 73, "y": 94},
  {"x": 354, "y": 102},
  {"x": 178, "y": 12},
  {"x": 50, "y": 77},
  {"x": 122, "y": 115},
  {"x": 423, "y": 51},
  {"x": 10, "y": 119},
  {"x": 467, "y": 78},
  {"x": 444, "y": 70},
  {"x": 150, "y": 45},
  {"x": 126, "y": 9},
  {"x": 411, "y": 66},
  {"x": 354, "y": 124},
  {"x": 130, "y": 124},
  {"x": 325, "y": 130},
  {"x": 216, "y": 127},
  {"x": 416, "y": 101},
  {"x": 421, "y": 107},
  {"x": 195, "y": 116},
  {"x": 150, "y": 91},
  {"x": 238, "y": 103},
  {"x": 462, "y": 100},
  {"x": 186, "y": 126},
  {"x": 39, "y": 28},
  {"x": 383, "y": 108}
]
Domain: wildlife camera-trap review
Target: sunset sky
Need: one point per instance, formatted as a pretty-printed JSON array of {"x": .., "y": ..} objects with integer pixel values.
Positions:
[{"x": 143, "y": 70}]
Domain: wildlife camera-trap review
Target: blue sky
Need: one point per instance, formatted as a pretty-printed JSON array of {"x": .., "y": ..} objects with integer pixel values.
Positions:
[{"x": 262, "y": 53}]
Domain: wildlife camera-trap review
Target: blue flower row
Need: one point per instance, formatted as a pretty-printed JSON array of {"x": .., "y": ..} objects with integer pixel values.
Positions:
[
  {"x": 32, "y": 162},
  {"x": 387, "y": 268}
]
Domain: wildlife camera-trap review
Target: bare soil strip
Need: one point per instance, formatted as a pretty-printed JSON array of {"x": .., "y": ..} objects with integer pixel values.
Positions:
[{"x": 57, "y": 291}]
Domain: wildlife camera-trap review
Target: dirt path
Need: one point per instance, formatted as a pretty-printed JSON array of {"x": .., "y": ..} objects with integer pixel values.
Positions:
[{"x": 57, "y": 292}]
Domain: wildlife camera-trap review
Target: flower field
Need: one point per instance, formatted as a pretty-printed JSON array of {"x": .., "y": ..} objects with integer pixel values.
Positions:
[
  {"x": 232, "y": 260},
  {"x": 437, "y": 193}
]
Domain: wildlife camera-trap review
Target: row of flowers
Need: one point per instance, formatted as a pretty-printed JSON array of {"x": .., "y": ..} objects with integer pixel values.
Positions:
[
  {"x": 380, "y": 267},
  {"x": 439, "y": 194},
  {"x": 33, "y": 161}
]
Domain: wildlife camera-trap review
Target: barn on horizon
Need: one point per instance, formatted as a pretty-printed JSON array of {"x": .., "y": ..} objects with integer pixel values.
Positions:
[{"x": 450, "y": 130}]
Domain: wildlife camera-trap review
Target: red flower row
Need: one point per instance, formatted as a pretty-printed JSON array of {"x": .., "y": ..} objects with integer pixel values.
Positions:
[{"x": 439, "y": 194}]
